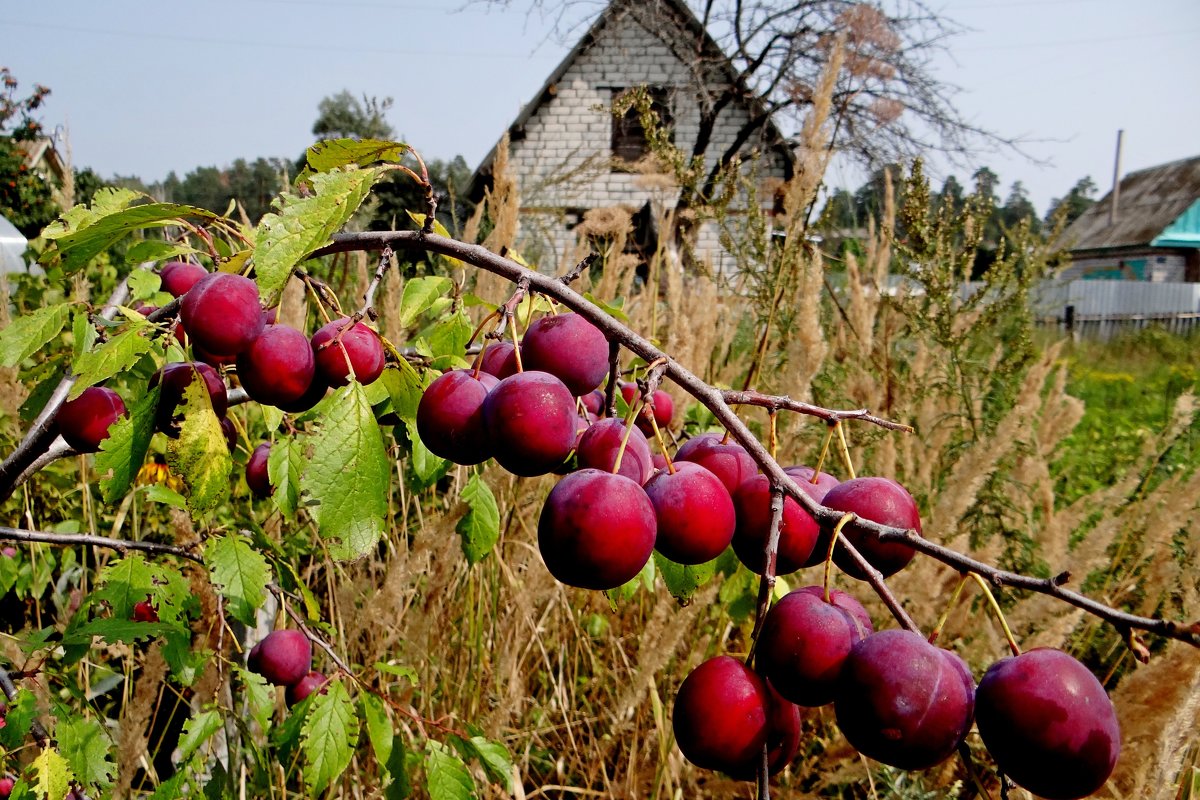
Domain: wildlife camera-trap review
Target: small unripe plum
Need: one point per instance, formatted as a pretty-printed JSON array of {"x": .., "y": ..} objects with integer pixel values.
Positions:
[
  {"x": 695, "y": 513},
  {"x": 902, "y": 701},
  {"x": 729, "y": 461},
  {"x": 175, "y": 378},
  {"x": 1048, "y": 723},
  {"x": 531, "y": 422},
  {"x": 568, "y": 347},
  {"x": 450, "y": 416},
  {"x": 600, "y": 443},
  {"x": 144, "y": 611},
  {"x": 797, "y": 532},
  {"x": 179, "y": 276},
  {"x": 278, "y": 367},
  {"x": 222, "y": 313},
  {"x": 720, "y": 715},
  {"x": 805, "y": 639},
  {"x": 282, "y": 657},
  {"x": 880, "y": 500},
  {"x": 596, "y": 530},
  {"x": 312, "y": 682},
  {"x": 338, "y": 348},
  {"x": 256, "y": 471},
  {"x": 499, "y": 359},
  {"x": 84, "y": 421}
]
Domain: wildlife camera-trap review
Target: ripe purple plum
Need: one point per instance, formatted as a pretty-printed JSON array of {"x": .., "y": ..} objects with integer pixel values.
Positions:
[
  {"x": 596, "y": 530},
  {"x": 278, "y": 367},
  {"x": 805, "y": 640},
  {"x": 175, "y": 378},
  {"x": 531, "y": 422},
  {"x": 600, "y": 443},
  {"x": 593, "y": 401},
  {"x": 312, "y": 682},
  {"x": 282, "y": 657},
  {"x": 314, "y": 394},
  {"x": 256, "y": 471},
  {"x": 84, "y": 421},
  {"x": 729, "y": 461},
  {"x": 1048, "y": 723},
  {"x": 662, "y": 408},
  {"x": 500, "y": 359},
  {"x": 902, "y": 701},
  {"x": 450, "y": 416},
  {"x": 797, "y": 533},
  {"x": 783, "y": 736},
  {"x": 358, "y": 346},
  {"x": 880, "y": 500},
  {"x": 568, "y": 347},
  {"x": 720, "y": 715},
  {"x": 229, "y": 430},
  {"x": 816, "y": 488},
  {"x": 695, "y": 513},
  {"x": 6, "y": 783},
  {"x": 222, "y": 313},
  {"x": 144, "y": 611},
  {"x": 179, "y": 276}
]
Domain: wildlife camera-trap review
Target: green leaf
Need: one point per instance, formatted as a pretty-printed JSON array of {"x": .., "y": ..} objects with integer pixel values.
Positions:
[
  {"x": 106, "y": 201},
  {"x": 329, "y": 735},
  {"x": 379, "y": 726},
  {"x": 495, "y": 758},
  {"x": 240, "y": 573},
  {"x": 613, "y": 309},
  {"x": 143, "y": 284},
  {"x": 480, "y": 526},
  {"x": 114, "y": 631},
  {"x": 623, "y": 593},
  {"x": 22, "y": 711},
  {"x": 427, "y": 467},
  {"x": 159, "y": 493},
  {"x": 155, "y": 250},
  {"x": 399, "y": 788},
  {"x": 125, "y": 582},
  {"x": 196, "y": 731},
  {"x": 200, "y": 455},
  {"x": 83, "y": 332},
  {"x": 122, "y": 453},
  {"x": 85, "y": 745},
  {"x": 72, "y": 251},
  {"x": 283, "y": 240},
  {"x": 347, "y": 476},
  {"x": 333, "y": 153},
  {"x": 260, "y": 696},
  {"x": 683, "y": 581},
  {"x": 450, "y": 335},
  {"x": 405, "y": 386},
  {"x": 446, "y": 776},
  {"x": 53, "y": 774},
  {"x": 419, "y": 294},
  {"x": 285, "y": 462},
  {"x": 31, "y": 332},
  {"x": 400, "y": 671},
  {"x": 172, "y": 787},
  {"x": 113, "y": 357}
]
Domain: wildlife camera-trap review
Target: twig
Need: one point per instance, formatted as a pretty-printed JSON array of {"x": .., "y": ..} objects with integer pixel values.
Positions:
[
  {"x": 614, "y": 369},
  {"x": 122, "y": 546},
  {"x": 368, "y": 307},
  {"x": 580, "y": 268},
  {"x": 785, "y": 403}
]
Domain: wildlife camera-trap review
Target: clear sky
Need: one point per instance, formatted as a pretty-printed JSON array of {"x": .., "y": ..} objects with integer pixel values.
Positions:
[{"x": 147, "y": 86}]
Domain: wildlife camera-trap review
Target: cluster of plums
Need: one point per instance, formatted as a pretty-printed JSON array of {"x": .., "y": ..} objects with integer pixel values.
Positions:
[
  {"x": 284, "y": 658},
  {"x": 898, "y": 698},
  {"x": 224, "y": 323}
]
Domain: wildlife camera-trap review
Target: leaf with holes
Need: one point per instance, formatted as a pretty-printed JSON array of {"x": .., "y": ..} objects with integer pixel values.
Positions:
[{"x": 240, "y": 573}]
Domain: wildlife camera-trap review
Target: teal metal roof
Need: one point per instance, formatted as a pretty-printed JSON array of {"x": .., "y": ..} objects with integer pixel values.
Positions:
[{"x": 1184, "y": 231}]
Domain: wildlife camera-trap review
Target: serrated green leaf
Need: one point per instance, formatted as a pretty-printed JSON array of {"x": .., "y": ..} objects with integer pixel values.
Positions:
[
  {"x": 240, "y": 573},
  {"x": 306, "y": 224},
  {"x": 419, "y": 294},
  {"x": 495, "y": 758},
  {"x": 450, "y": 334},
  {"x": 122, "y": 453},
  {"x": 285, "y": 463},
  {"x": 105, "y": 201},
  {"x": 18, "y": 719},
  {"x": 347, "y": 476},
  {"x": 156, "y": 250},
  {"x": 446, "y": 776},
  {"x": 200, "y": 455},
  {"x": 260, "y": 696},
  {"x": 480, "y": 526},
  {"x": 83, "y": 332},
  {"x": 333, "y": 153},
  {"x": 379, "y": 726},
  {"x": 85, "y": 745},
  {"x": 143, "y": 284},
  {"x": 329, "y": 735},
  {"x": 405, "y": 386},
  {"x": 71, "y": 251},
  {"x": 30, "y": 332},
  {"x": 114, "y": 631},
  {"x": 196, "y": 731},
  {"x": 681, "y": 580},
  {"x": 125, "y": 582},
  {"x": 172, "y": 787},
  {"x": 53, "y": 774},
  {"x": 400, "y": 671},
  {"x": 113, "y": 357}
]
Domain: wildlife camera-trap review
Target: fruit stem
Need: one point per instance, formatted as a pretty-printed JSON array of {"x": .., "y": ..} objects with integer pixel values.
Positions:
[
  {"x": 964, "y": 752},
  {"x": 495, "y": 313},
  {"x": 837, "y": 532},
  {"x": 845, "y": 449},
  {"x": 824, "y": 453},
  {"x": 941, "y": 623},
  {"x": 662, "y": 445},
  {"x": 774, "y": 434},
  {"x": 1008, "y": 634},
  {"x": 634, "y": 407},
  {"x": 516, "y": 343}
]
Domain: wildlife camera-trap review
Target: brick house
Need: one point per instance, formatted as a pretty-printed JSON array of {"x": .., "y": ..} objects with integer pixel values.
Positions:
[{"x": 570, "y": 154}]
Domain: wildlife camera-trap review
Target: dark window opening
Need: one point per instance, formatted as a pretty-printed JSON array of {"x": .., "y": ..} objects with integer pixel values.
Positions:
[{"x": 629, "y": 141}]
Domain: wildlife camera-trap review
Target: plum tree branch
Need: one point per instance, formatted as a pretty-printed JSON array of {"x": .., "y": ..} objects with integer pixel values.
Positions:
[
  {"x": 122, "y": 546},
  {"x": 785, "y": 403},
  {"x": 715, "y": 400}
]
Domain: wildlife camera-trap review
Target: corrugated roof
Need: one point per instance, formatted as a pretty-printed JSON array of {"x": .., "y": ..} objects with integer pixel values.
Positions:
[
  {"x": 688, "y": 23},
  {"x": 1150, "y": 200}
]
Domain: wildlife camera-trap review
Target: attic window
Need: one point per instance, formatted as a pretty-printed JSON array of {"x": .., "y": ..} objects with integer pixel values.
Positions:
[{"x": 629, "y": 143}]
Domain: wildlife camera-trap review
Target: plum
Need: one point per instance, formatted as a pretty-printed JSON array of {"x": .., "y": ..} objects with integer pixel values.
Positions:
[
  {"x": 880, "y": 500},
  {"x": 256, "y": 471},
  {"x": 568, "y": 347},
  {"x": 729, "y": 461},
  {"x": 222, "y": 313},
  {"x": 599, "y": 444},
  {"x": 84, "y": 421},
  {"x": 338, "y": 348},
  {"x": 797, "y": 532},
  {"x": 282, "y": 657},
  {"x": 278, "y": 367},
  {"x": 695, "y": 513},
  {"x": 720, "y": 715},
  {"x": 450, "y": 416},
  {"x": 531, "y": 422}
]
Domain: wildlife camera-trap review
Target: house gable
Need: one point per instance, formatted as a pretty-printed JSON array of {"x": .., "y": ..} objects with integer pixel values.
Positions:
[{"x": 1150, "y": 202}]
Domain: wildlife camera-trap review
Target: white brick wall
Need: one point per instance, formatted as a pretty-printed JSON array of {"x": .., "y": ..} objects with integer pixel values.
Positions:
[{"x": 570, "y": 135}]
